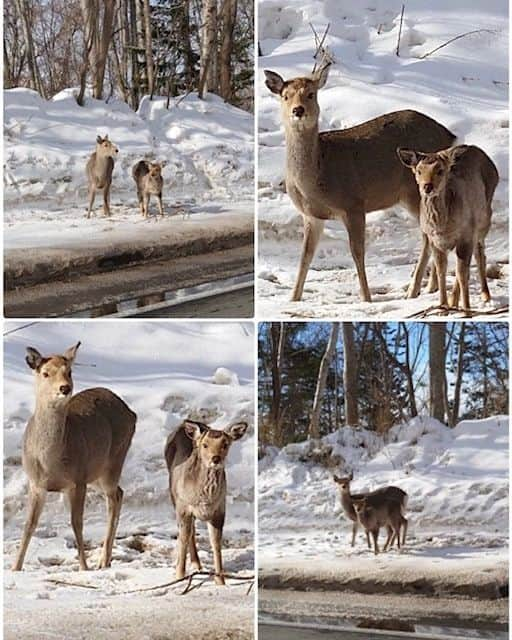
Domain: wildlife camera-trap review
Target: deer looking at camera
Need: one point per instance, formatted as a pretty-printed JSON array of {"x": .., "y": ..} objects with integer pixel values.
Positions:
[
  {"x": 376, "y": 511},
  {"x": 99, "y": 170},
  {"x": 72, "y": 441},
  {"x": 149, "y": 181},
  {"x": 374, "y": 499},
  {"x": 457, "y": 186},
  {"x": 345, "y": 174},
  {"x": 196, "y": 456}
]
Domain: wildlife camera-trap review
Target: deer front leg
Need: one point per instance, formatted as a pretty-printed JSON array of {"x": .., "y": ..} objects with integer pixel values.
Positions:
[
  {"x": 106, "y": 199},
  {"x": 92, "y": 196},
  {"x": 390, "y": 539},
  {"x": 464, "y": 253},
  {"x": 415, "y": 285},
  {"x": 405, "y": 525},
  {"x": 146, "y": 205},
  {"x": 356, "y": 225},
  {"x": 215, "y": 527},
  {"x": 114, "y": 498},
  {"x": 184, "y": 533},
  {"x": 313, "y": 228},
  {"x": 354, "y": 533},
  {"x": 160, "y": 205},
  {"x": 375, "y": 536},
  {"x": 36, "y": 502},
  {"x": 441, "y": 262},
  {"x": 194, "y": 556},
  {"x": 77, "y": 502}
]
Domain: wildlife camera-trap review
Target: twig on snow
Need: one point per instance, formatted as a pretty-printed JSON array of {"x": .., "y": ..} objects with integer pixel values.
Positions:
[
  {"x": 462, "y": 35},
  {"x": 71, "y": 584},
  {"x": 400, "y": 31}
]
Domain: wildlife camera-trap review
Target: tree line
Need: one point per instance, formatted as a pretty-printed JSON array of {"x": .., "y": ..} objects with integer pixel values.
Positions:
[
  {"x": 131, "y": 48},
  {"x": 317, "y": 377}
]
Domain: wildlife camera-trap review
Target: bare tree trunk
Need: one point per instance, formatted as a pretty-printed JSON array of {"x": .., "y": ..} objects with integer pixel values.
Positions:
[
  {"x": 150, "y": 67},
  {"x": 350, "y": 375},
  {"x": 228, "y": 17},
  {"x": 437, "y": 365},
  {"x": 408, "y": 373},
  {"x": 24, "y": 13},
  {"x": 89, "y": 13},
  {"x": 314, "y": 423},
  {"x": 102, "y": 45},
  {"x": 208, "y": 73},
  {"x": 277, "y": 341},
  {"x": 458, "y": 379}
]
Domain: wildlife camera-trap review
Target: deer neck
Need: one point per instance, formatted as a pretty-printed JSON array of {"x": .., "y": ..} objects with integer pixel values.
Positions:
[
  {"x": 49, "y": 426},
  {"x": 102, "y": 164},
  {"x": 302, "y": 154},
  {"x": 210, "y": 482}
]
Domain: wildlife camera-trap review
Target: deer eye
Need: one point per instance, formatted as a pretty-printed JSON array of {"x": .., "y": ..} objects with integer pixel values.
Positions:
[
  {"x": 311, "y": 96},
  {"x": 205, "y": 445},
  {"x": 285, "y": 97},
  {"x": 45, "y": 374}
]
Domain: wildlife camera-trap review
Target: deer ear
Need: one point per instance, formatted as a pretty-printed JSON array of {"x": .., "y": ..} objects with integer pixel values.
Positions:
[
  {"x": 194, "y": 429},
  {"x": 106, "y": 137},
  {"x": 410, "y": 158},
  {"x": 99, "y": 139},
  {"x": 70, "y": 354},
  {"x": 351, "y": 475},
  {"x": 273, "y": 81},
  {"x": 33, "y": 358},
  {"x": 236, "y": 431},
  {"x": 336, "y": 479},
  {"x": 322, "y": 75}
]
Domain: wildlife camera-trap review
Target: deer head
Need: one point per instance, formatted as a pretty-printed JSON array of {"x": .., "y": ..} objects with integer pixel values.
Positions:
[
  {"x": 54, "y": 383},
  {"x": 212, "y": 445},
  {"x": 106, "y": 148}
]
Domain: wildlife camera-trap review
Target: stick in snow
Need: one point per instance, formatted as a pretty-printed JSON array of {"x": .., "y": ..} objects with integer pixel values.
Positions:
[
  {"x": 400, "y": 31},
  {"x": 462, "y": 35}
]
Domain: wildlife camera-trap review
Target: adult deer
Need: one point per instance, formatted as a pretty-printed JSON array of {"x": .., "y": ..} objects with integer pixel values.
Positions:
[
  {"x": 99, "y": 168},
  {"x": 345, "y": 174},
  {"x": 195, "y": 456},
  {"x": 71, "y": 441}
]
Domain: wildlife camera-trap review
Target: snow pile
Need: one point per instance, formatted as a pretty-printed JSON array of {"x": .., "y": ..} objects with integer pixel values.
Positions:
[
  {"x": 463, "y": 85},
  {"x": 163, "y": 383},
  {"x": 456, "y": 479}
]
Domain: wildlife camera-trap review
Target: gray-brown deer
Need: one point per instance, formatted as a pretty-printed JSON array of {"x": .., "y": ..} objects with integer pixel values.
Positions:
[
  {"x": 149, "y": 181},
  {"x": 348, "y": 501},
  {"x": 345, "y": 174},
  {"x": 196, "y": 456},
  {"x": 99, "y": 170},
  {"x": 457, "y": 186},
  {"x": 376, "y": 511},
  {"x": 72, "y": 441}
]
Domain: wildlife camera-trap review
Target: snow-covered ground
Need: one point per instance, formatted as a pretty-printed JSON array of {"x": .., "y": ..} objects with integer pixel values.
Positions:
[
  {"x": 456, "y": 479},
  {"x": 463, "y": 85},
  {"x": 165, "y": 372},
  {"x": 207, "y": 146}
]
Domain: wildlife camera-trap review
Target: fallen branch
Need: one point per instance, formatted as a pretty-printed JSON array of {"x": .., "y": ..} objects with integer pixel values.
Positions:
[
  {"x": 462, "y": 35},
  {"x": 208, "y": 575},
  {"x": 444, "y": 311},
  {"x": 71, "y": 584}
]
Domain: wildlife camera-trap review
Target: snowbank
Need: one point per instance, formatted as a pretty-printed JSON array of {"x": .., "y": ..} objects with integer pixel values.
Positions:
[{"x": 464, "y": 85}]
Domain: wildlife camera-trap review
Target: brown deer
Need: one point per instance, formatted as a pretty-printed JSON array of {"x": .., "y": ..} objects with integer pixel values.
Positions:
[
  {"x": 195, "y": 456},
  {"x": 457, "y": 186},
  {"x": 348, "y": 501},
  {"x": 345, "y": 174},
  {"x": 71, "y": 441},
  {"x": 148, "y": 178},
  {"x": 99, "y": 170},
  {"x": 376, "y": 511}
]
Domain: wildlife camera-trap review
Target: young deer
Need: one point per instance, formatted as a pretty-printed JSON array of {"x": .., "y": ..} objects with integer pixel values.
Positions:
[
  {"x": 148, "y": 178},
  {"x": 456, "y": 186},
  {"x": 343, "y": 175},
  {"x": 195, "y": 456},
  {"x": 99, "y": 172},
  {"x": 377, "y": 511},
  {"x": 71, "y": 441},
  {"x": 348, "y": 501}
]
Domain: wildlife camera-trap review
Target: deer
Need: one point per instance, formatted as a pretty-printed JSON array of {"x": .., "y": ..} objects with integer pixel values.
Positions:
[
  {"x": 148, "y": 178},
  {"x": 376, "y": 511},
  {"x": 196, "y": 456},
  {"x": 457, "y": 186},
  {"x": 349, "y": 499},
  {"x": 99, "y": 170},
  {"x": 345, "y": 174},
  {"x": 70, "y": 442}
]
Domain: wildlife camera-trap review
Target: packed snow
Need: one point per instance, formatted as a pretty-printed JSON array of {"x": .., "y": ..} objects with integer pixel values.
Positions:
[
  {"x": 464, "y": 86},
  {"x": 165, "y": 372},
  {"x": 207, "y": 146},
  {"x": 456, "y": 480}
]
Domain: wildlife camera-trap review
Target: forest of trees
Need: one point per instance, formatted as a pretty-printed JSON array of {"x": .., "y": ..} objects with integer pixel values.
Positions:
[
  {"x": 131, "y": 48},
  {"x": 317, "y": 377}
]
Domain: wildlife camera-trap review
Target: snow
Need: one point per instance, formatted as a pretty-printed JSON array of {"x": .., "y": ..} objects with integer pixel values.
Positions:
[
  {"x": 165, "y": 372},
  {"x": 456, "y": 480},
  {"x": 206, "y": 145},
  {"x": 464, "y": 86}
]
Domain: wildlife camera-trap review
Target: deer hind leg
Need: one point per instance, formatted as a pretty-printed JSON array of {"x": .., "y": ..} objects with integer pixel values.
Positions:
[
  {"x": 185, "y": 525},
  {"x": 415, "y": 286},
  {"x": 464, "y": 253},
  {"x": 433, "y": 279},
  {"x": 114, "y": 499},
  {"x": 215, "y": 527},
  {"x": 354, "y": 533},
  {"x": 106, "y": 200},
  {"x": 313, "y": 229},
  {"x": 36, "y": 502},
  {"x": 480, "y": 259},
  {"x": 390, "y": 539},
  {"x": 355, "y": 222},
  {"x": 405, "y": 524},
  {"x": 160, "y": 205},
  {"x": 76, "y": 503},
  {"x": 194, "y": 556},
  {"x": 141, "y": 202},
  {"x": 375, "y": 536}
]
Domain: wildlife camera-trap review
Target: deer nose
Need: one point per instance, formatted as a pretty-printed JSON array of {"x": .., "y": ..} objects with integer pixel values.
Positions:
[
  {"x": 298, "y": 111},
  {"x": 65, "y": 389},
  {"x": 216, "y": 459},
  {"x": 428, "y": 188}
]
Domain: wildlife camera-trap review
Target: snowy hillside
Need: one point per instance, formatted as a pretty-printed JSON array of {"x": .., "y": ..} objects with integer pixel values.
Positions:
[
  {"x": 456, "y": 479},
  {"x": 463, "y": 85},
  {"x": 207, "y": 146},
  {"x": 165, "y": 372}
]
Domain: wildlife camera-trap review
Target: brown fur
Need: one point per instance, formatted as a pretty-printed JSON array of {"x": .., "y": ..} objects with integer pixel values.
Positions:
[
  {"x": 99, "y": 168},
  {"x": 149, "y": 181}
]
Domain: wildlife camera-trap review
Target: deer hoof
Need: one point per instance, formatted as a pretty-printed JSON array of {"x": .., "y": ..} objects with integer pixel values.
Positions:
[{"x": 219, "y": 580}]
